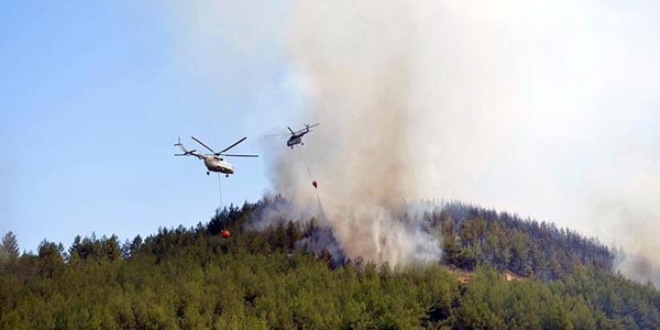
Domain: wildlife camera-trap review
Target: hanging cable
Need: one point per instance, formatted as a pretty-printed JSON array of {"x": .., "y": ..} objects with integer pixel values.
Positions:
[
  {"x": 305, "y": 162},
  {"x": 321, "y": 212},
  {"x": 220, "y": 190},
  {"x": 320, "y": 206}
]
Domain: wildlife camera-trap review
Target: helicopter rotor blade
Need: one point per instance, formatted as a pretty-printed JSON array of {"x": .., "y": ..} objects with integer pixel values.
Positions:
[
  {"x": 231, "y": 146},
  {"x": 236, "y": 155},
  {"x": 187, "y": 153},
  {"x": 290, "y": 130},
  {"x": 202, "y": 143}
]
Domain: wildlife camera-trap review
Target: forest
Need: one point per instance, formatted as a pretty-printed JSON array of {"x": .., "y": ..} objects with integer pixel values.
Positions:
[{"x": 192, "y": 278}]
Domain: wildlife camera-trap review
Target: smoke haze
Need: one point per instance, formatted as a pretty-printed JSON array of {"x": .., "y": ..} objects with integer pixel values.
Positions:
[{"x": 546, "y": 108}]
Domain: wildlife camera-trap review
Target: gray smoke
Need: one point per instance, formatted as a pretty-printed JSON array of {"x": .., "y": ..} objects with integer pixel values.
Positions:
[
  {"x": 633, "y": 212},
  {"x": 356, "y": 60}
]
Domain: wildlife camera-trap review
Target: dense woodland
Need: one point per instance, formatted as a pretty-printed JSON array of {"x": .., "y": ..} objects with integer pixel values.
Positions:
[{"x": 191, "y": 278}]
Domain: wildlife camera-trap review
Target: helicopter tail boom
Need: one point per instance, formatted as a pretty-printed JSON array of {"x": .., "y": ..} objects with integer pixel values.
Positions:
[{"x": 186, "y": 152}]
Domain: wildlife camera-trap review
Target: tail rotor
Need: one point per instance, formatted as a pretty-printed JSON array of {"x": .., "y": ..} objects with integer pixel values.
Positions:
[{"x": 185, "y": 151}]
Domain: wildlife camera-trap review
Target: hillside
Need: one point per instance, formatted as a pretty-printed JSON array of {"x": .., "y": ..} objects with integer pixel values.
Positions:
[
  {"x": 191, "y": 278},
  {"x": 473, "y": 236}
]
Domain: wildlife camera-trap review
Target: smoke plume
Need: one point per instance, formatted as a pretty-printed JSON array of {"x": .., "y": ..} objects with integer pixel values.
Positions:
[
  {"x": 547, "y": 108},
  {"x": 356, "y": 60}
]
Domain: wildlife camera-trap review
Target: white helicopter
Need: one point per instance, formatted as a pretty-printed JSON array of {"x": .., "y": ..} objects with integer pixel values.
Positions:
[
  {"x": 213, "y": 162},
  {"x": 296, "y": 137}
]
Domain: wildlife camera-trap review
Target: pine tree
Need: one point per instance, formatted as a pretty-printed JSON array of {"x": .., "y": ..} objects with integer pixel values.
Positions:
[{"x": 10, "y": 245}]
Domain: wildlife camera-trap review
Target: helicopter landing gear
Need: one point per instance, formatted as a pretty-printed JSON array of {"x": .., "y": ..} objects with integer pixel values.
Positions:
[
  {"x": 226, "y": 175},
  {"x": 207, "y": 173}
]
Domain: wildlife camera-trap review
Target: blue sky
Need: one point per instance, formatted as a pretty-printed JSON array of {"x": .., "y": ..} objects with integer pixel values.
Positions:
[{"x": 94, "y": 94}]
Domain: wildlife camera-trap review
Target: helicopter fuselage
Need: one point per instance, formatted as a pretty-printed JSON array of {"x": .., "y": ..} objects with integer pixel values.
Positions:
[
  {"x": 216, "y": 164},
  {"x": 295, "y": 139}
]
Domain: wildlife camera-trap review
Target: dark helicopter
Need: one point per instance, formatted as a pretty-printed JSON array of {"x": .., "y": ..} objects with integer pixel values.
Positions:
[{"x": 296, "y": 136}]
